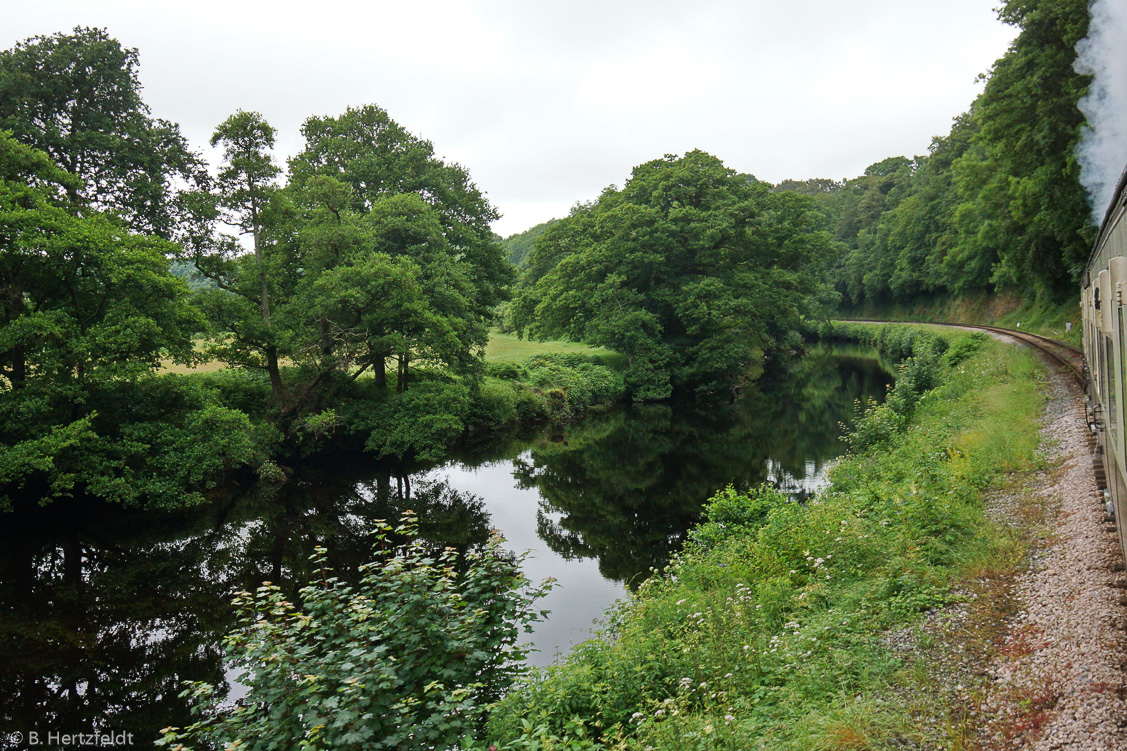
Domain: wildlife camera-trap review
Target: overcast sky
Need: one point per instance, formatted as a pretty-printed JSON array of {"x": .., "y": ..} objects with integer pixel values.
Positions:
[{"x": 547, "y": 103}]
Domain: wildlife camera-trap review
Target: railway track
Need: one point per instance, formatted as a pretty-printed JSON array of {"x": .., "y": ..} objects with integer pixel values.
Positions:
[{"x": 1069, "y": 357}]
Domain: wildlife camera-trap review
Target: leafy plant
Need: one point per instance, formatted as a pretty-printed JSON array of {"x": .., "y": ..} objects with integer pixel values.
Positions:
[{"x": 408, "y": 658}]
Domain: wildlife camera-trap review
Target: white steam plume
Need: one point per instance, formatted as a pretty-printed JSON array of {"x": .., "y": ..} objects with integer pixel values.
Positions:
[{"x": 1103, "y": 150}]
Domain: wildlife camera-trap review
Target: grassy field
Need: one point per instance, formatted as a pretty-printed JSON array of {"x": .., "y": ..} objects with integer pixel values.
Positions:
[
  {"x": 501, "y": 348},
  {"x": 508, "y": 348}
]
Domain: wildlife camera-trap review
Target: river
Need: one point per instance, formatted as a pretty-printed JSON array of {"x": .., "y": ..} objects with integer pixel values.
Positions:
[{"x": 104, "y": 613}]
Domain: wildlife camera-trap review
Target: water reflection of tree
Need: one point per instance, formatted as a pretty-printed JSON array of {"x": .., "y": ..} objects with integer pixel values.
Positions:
[
  {"x": 626, "y": 487},
  {"x": 105, "y": 613}
]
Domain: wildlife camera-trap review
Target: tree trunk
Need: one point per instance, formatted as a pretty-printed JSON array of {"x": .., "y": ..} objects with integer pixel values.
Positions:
[
  {"x": 19, "y": 367},
  {"x": 379, "y": 370},
  {"x": 326, "y": 340},
  {"x": 19, "y": 354},
  {"x": 275, "y": 373},
  {"x": 401, "y": 380}
]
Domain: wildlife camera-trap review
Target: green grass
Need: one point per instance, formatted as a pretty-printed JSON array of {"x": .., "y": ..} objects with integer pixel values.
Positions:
[
  {"x": 768, "y": 630},
  {"x": 501, "y": 348},
  {"x": 1038, "y": 316},
  {"x": 508, "y": 348}
]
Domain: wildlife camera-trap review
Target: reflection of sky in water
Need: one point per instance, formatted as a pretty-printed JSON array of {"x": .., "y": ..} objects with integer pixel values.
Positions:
[
  {"x": 815, "y": 477},
  {"x": 581, "y": 594}
]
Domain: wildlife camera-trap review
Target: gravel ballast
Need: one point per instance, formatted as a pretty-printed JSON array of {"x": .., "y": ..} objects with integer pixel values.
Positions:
[
  {"x": 1055, "y": 676},
  {"x": 1066, "y": 647}
]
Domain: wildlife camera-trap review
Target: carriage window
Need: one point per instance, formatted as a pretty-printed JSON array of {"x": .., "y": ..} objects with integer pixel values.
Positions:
[
  {"x": 1112, "y": 401},
  {"x": 1100, "y": 376}
]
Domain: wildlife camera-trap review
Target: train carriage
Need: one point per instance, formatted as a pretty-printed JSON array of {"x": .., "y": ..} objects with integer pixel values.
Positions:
[{"x": 1103, "y": 300}]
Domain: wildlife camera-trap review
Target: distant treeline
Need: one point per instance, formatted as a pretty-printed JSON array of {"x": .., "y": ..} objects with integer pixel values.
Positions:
[{"x": 996, "y": 205}]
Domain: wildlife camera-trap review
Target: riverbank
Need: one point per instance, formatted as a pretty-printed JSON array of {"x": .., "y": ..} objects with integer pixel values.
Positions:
[
  {"x": 776, "y": 627},
  {"x": 1011, "y": 311}
]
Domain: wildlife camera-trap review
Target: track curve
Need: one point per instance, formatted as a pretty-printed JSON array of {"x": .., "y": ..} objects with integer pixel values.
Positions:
[{"x": 1068, "y": 356}]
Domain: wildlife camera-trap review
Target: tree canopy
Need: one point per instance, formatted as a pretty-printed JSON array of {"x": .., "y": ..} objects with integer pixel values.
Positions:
[
  {"x": 77, "y": 97},
  {"x": 373, "y": 251},
  {"x": 997, "y": 204},
  {"x": 691, "y": 270},
  {"x": 88, "y": 311}
]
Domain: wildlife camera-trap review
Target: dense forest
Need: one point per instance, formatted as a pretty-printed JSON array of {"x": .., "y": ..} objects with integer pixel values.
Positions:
[{"x": 997, "y": 203}]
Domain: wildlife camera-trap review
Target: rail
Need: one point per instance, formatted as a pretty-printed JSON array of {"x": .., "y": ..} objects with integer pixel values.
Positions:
[{"x": 1070, "y": 357}]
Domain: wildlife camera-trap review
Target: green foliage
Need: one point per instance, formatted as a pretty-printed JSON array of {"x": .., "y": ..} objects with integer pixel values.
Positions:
[
  {"x": 997, "y": 204},
  {"x": 553, "y": 385},
  {"x": 624, "y": 486},
  {"x": 770, "y": 629},
  {"x": 408, "y": 658},
  {"x": 1030, "y": 127},
  {"x": 519, "y": 246},
  {"x": 77, "y": 98},
  {"x": 922, "y": 355},
  {"x": 730, "y": 512},
  {"x": 494, "y": 405},
  {"x": 374, "y": 252},
  {"x": 965, "y": 347},
  {"x": 583, "y": 383},
  {"x": 692, "y": 271},
  {"x": 509, "y": 371},
  {"x": 377, "y": 158},
  {"x": 88, "y": 311},
  {"x": 420, "y": 423}
]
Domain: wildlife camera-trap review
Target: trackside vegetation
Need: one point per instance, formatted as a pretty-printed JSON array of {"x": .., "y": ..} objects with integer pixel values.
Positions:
[
  {"x": 407, "y": 658},
  {"x": 768, "y": 630}
]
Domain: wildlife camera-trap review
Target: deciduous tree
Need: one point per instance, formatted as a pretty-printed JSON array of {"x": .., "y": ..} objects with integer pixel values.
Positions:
[
  {"x": 77, "y": 97},
  {"x": 691, "y": 270}
]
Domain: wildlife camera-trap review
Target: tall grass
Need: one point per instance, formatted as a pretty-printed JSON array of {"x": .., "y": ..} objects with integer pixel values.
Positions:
[{"x": 767, "y": 631}]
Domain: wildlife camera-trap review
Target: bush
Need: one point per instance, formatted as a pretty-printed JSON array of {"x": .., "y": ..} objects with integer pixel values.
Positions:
[
  {"x": 494, "y": 405},
  {"x": 730, "y": 512},
  {"x": 580, "y": 382},
  {"x": 407, "y": 659},
  {"x": 964, "y": 347},
  {"x": 420, "y": 422},
  {"x": 506, "y": 371},
  {"x": 922, "y": 359}
]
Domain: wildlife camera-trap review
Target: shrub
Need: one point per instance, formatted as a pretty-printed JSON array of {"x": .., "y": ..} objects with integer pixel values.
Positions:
[
  {"x": 494, "y": 405},
  {"x": 419, "y": 423},
  {"x": 407, "y": 659},
  {"x": 921, "y": 355},
  {"x": 730, "y": 512},
  {"x": 506, "y": 371},
  {"x": 580, "y": 382},
  {"x": 964, "y": 347}
]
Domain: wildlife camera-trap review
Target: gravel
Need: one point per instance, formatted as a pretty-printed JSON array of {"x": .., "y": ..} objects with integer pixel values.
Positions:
[
  {"x": 1059, "y": 674},
  {"x": 1035, "y": 659}
]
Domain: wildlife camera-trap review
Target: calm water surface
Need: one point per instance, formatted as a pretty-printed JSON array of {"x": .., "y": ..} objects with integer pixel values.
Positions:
[{"x": 104, "y": 613}]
